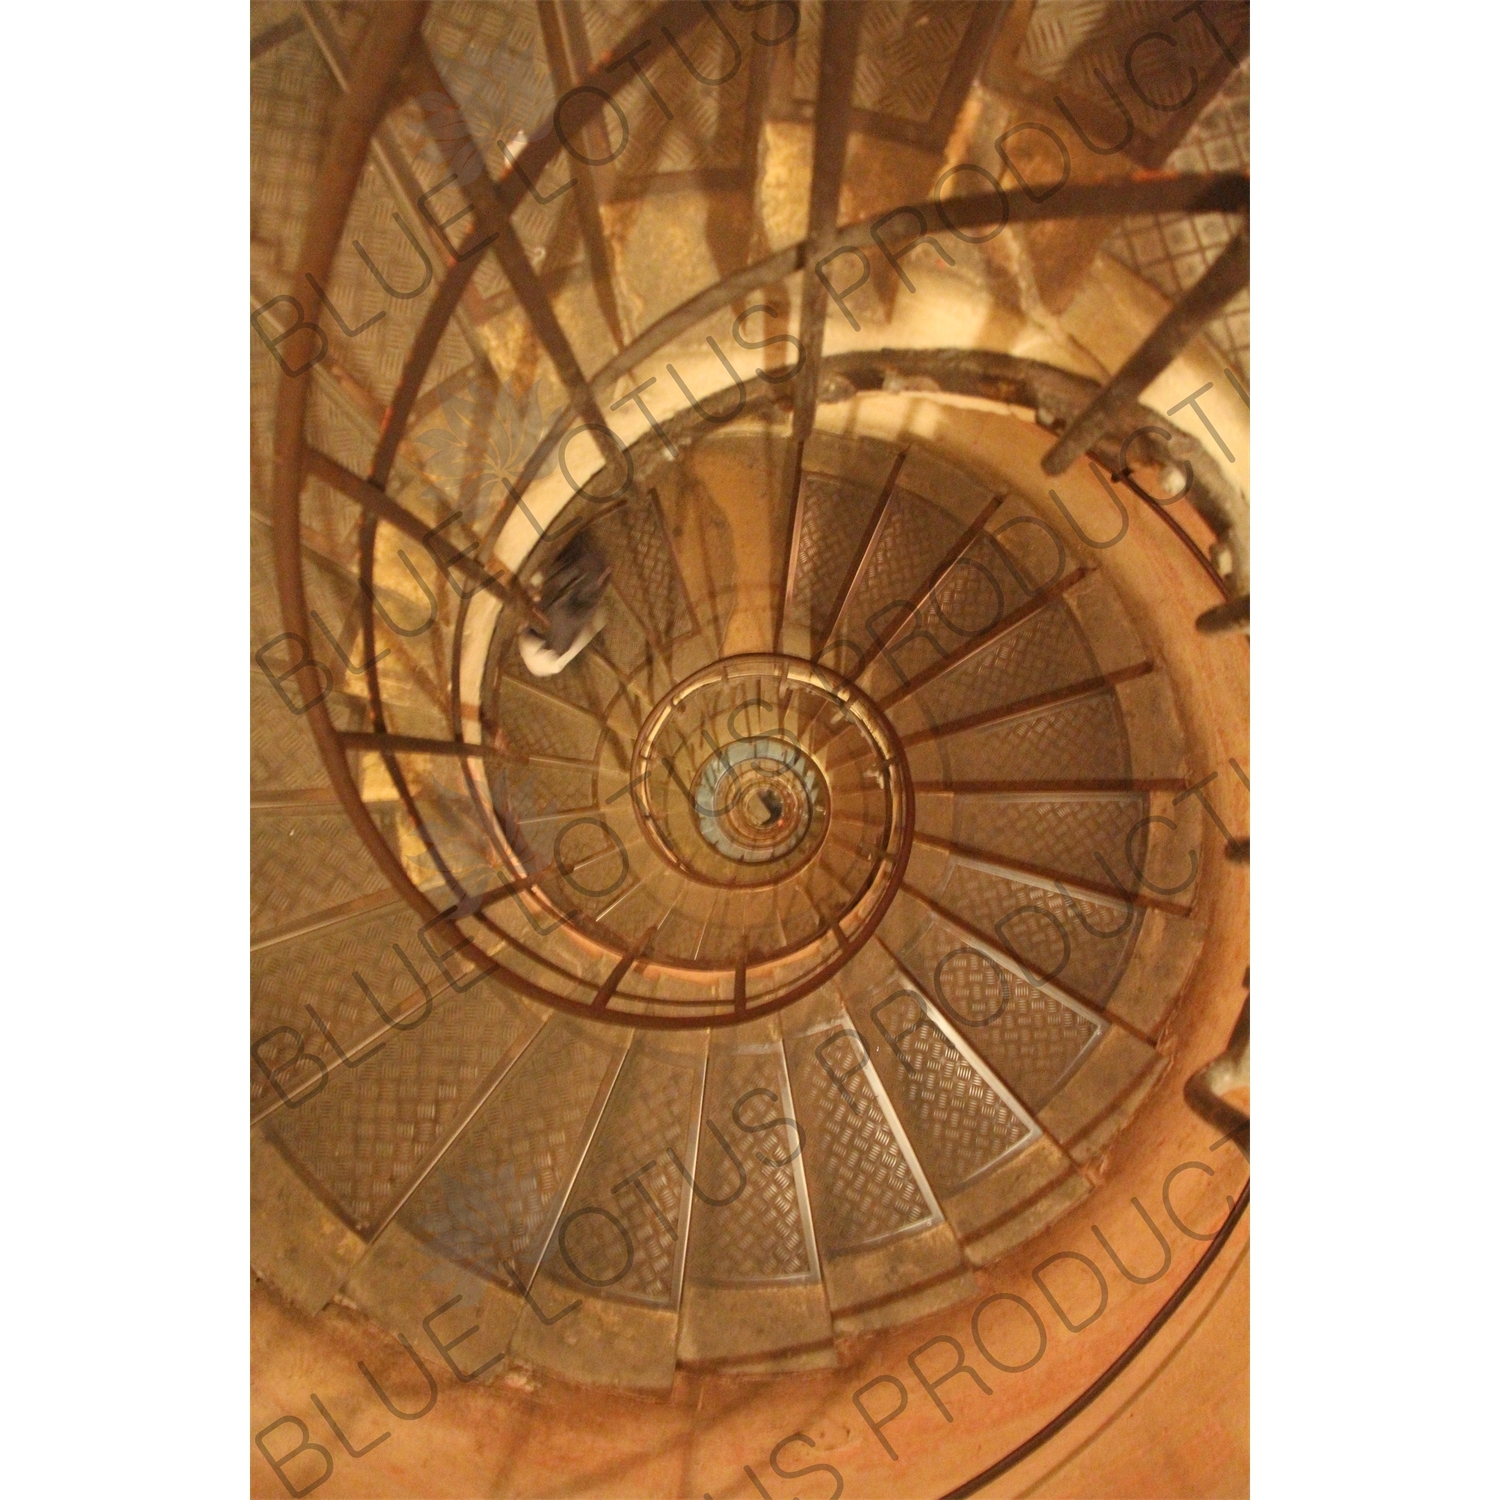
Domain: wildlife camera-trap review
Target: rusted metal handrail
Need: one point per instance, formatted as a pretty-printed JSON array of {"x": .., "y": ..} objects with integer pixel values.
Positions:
[{"x": 387, "y": 50}]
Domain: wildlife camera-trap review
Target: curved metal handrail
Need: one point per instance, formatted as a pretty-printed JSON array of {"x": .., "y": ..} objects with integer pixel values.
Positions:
[
  {"x": 1097, "y": 1388},
  {"x": 1214, "y": 191},
  {"x": 393, "y": 33}
]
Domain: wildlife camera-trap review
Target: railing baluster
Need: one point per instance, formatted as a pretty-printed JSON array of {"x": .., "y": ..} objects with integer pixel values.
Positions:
[{"x": 838, "y": 54}]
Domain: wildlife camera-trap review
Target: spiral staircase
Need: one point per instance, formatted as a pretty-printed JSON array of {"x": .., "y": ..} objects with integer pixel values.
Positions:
[{"x": 849, "y": 924}]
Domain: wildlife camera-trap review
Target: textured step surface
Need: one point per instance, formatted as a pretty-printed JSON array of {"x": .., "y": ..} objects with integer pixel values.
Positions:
[
  {"x": 932, "y": 1105},
  {"x": 835, "y": 888}
]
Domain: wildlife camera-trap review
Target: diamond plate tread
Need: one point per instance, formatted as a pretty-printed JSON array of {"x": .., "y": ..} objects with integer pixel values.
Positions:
[
  {"x": 1066, "y": 833},
  {"x": 1029, "y": 1040},
  {"x": 906, "y": 52},
  {"x": 760, "y": 984},
  {"x": 692, "y": 652},
  {"x": 493, "y": 62},
  {"x": 1091, "y": 1108},
  {"x": 695, "y": 902},
  {"x": 863, "y": 1189},
  {"x": 349, "y": 711},
  {"x": 914, "y": 537},
  {"x": 1172, "y": 251},
  {"x": 283, "y": 753},
  {"x": 290, "y": 117},
  {"x": 264, "y": 375},
  {"x": 646, "y": 574},
  {"x": 529, "y": 924},
  {"x": 833, "y": 890},
  {"x": 443, "y": 777},
  {"x": 289, "y": 120},
  {"x": 1161, "y": 70},
  {"x": 473, "y": 440},
  {"x": 302, "y": 865},
  {"x": 297, "y": 1243},
  {"x": 763, "y": 934},
  {"x": 494, "y": 1195},
  {"x": 569, "y": 973},
  {"x": 665, "y": 987},
  {"x": 867, "y": 1165},
  {"x": 536, "y": 725},
  {"x": 711, "y": 127},
  {"x": 981, "y": 589},
  {"x": 323, "y": 970},
  {"x": 1057, "y": 947},
  {"x": 676, "y": 933},
  {"x": 606, "y": 25},
  {"x": 335, "y": 522},
  {"x": 1040, "y": 655},
  {"x": 864, "y": 462},
  {"x": 599, "y": 864},
  {"x": 333, "y": 430},
  {"x": 957, "y": 1124},
  {"x": 1078, "y": 741},
  {"x": 376, "y": 353},
  {"x": 457, "y": 842},
  {"x": 494, "y": 66},
  {"x": 759, "y": 1235},
  {"x": 335, "y": 638},
  {"x": 1219, "y": 140},
  {"x": 334, "y": 614},
  {"x": 413, "y": 687},
  {"x": 835, "y": 517},
  {"x": 407, "y": 709},
  {"x": 268, "y": 14},
  {"x": 797, "y": 920},
  {"x": 265, "y": 602},
  {"x": 363, "y": 1136},
  {"x": 412, "y": 128},
  {"x": 652, "y": 1112},
  {"x": 1056, "y": 30},
  {"x": 415, "y": 670},
  {"x": 823, "y": 894},
  {"x": 624, "y": 638},
  {"x": 748, "y": 924},
  {"x": 528, "y": 791},
  {"x": 505, "y": 86}
]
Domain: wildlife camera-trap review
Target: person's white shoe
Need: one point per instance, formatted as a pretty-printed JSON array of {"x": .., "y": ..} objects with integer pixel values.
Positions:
[{"x": 541, "y": 662}]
